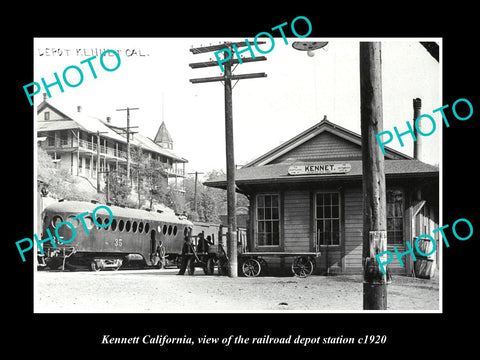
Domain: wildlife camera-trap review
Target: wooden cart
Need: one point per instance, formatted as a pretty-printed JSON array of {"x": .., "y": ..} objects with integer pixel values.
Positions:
[{"x": 253, "y": 263}]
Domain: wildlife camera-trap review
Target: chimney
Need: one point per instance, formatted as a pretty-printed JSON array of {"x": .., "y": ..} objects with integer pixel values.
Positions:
[
  {"x": 45, "y": 97},
  {"x": 108, "y": 119},
  {"x": 79, "y": 108},
  {"x": 417, "y": 145}
]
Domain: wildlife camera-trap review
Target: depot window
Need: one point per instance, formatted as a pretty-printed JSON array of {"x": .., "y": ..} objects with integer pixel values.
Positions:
[
  {"x": 394, "y": 217},
  {"x": 327, "y": 218},
  {"x": 268, "y": 220}
]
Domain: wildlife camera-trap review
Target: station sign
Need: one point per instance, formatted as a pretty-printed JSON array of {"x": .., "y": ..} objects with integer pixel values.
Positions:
[{"x": 319, "y": 169}]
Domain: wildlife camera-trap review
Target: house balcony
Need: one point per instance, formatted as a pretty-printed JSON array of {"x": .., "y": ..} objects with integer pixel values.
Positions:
[
  {"x": 88, "y": 146},
  {"x": 175, "y": 172}
]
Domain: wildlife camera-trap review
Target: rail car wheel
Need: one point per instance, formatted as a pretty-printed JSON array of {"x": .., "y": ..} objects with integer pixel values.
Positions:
[
  {"x": 210, "y": 267},
  {"x": 251, "y": 267},
  {"x": 302, "y": 266},
  {"x": 54, "y": 262},
  {"x": 96, "y": 265}
]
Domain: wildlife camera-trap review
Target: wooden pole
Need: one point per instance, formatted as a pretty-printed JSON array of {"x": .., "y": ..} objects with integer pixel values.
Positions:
[
  {"x": 230, "y": 158},
  {"x": 374, "y": 219},
  {"x": 128, "y": 132},
  {"x": 195, "y": 194},
  {"x": 128, "y": 148},
  {"x": 98, "y": 162}
]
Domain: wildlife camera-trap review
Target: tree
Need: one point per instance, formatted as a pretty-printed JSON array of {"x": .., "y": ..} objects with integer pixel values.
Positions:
[
  {"x": 211, "y": 202},
  {"x": 150, "y": 176},
  {"x": 118, "y": 188}
]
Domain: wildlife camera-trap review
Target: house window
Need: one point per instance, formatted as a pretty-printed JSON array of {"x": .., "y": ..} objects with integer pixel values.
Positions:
[
  {"x": 63, "y": 137},
  {"x": 46, "y": 115},
  {"x": 327, "y": 218},
  {"x": 51, "y": 139},
  {"x": 394, "y": 217},
  {"x": 268, "y": 220}
]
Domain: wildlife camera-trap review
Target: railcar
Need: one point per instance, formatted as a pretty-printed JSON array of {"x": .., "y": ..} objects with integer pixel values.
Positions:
[{"x": 148, "y": 237}]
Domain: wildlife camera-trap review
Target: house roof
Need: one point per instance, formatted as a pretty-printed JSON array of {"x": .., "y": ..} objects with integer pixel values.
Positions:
[
  {"x": 279, "y": 173},
  {"x": 90, "y": 124}
]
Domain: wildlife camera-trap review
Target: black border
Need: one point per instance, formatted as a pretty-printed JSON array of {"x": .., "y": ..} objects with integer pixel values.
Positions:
[{"x": 81, "y": 334}]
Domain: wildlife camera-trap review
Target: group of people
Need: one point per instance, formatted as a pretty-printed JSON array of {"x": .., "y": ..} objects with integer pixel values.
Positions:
[{"x": 188, "y": 250}]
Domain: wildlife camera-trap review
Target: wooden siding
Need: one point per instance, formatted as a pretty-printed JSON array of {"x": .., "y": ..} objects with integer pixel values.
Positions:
[
  {"x": 353, "y": 200},
  {"x": 354, "y": 234},
  {"x": 296, "y": 232},
  {"x": 53, "y": 114},
  {"x": 322, "y": 146}
]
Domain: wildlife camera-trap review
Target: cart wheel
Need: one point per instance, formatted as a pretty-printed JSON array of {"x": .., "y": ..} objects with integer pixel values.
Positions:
[
  {"x": 302, "y": 266},
  {"x": 191, "y": 266},
  {"x": 210, "y": 267},
  {"x": 251, "y": 267}
]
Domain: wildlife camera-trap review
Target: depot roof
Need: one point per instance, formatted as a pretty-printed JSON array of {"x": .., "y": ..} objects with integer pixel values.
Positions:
[{"x": 279, "y": 173}]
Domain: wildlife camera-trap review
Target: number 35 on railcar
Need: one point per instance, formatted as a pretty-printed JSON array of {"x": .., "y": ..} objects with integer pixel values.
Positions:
[{"x": 147, "y": 236}]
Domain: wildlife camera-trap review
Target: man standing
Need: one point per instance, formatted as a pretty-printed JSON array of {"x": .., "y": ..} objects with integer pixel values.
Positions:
[
  {"x": 187, "y": 257},
  {"x": 203, "y": 244}
]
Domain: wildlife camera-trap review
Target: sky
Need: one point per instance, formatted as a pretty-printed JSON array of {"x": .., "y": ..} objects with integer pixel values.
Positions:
[{"x": 297, "y": 93}]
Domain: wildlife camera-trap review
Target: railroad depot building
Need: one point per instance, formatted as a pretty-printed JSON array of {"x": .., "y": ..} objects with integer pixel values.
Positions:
[{"x": 306, "y": 194}]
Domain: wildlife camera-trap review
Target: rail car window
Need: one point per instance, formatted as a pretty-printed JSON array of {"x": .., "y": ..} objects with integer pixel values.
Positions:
[
  {"x": 140, "y": 226},
  {"x": 105, "y": 222},
  {"x": 134, "y": 226},
  {"x": 121, "y": 224},
  {"x": 147, "y": 227},
  {"x": 56, "y": 220},
  {"x": 114, "y": 224},
  {"x": 128, "y": 225},
  {"x": 72, "y": 221},
  {"x": 169, "y": 229},
  {"x": 185, "y": 231},
  {"x": 164, "y": 229},
  {"x": 175, "y": 230},
  {"x": 89, "y": 222},
  {"x": 99, "y": 221}
]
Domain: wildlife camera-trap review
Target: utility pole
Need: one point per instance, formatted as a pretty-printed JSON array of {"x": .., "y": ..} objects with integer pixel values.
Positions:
[
  {"x": 374, "y": 218},
  {"x": 128, "y": 132},
  {"x": 227, "y": 78},
  {"x": 98, "y": 160},
  {"x": 195, "y": 191}
]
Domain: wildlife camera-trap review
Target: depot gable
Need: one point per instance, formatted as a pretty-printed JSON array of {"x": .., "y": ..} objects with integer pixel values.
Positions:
[{"x": 324, "y": 140}]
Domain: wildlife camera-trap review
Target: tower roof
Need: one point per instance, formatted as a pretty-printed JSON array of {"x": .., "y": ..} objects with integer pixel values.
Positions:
[{"x": 163, "y": 136}]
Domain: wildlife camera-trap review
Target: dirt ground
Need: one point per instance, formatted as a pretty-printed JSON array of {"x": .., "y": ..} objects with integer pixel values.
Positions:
[{"x": 159, "y": 291}]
